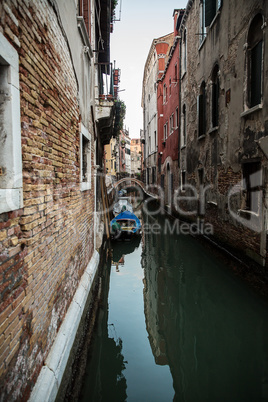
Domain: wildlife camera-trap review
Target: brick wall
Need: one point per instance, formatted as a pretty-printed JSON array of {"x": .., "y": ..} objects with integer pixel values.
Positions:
[{"x": 46, "y": 245}]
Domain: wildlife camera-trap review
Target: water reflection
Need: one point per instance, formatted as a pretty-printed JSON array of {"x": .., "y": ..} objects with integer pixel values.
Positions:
[
  {"x": 104, "y": 375},
  {"x": 203, "y": 322},
  {"x": 122, "y": 248},
  {"x": 175, "y": 324}
]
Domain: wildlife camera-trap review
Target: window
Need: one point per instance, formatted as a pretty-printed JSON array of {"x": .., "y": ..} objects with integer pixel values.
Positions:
[
  {"x": 170, "y": 83},
  {"x": 211, "y": 9},
  {"x": 183, "y": 180},
  {"x": 215, "y": 97},
  {"x": 254, "y": 61},
  {"x": 10, "y": 129},
  {"x": 85, "y": 157},
  {"x": 165, "y": 131},
  {"x": 84, "y": 11},
  {"x": 177, "y": 117},
  {"x": 201, "y": 103},
  {"x": 176, "y": 73},
  {"x": 184, "y": 53},
  {"x": 201, "y": 176},
  {"x": 251, "y": 179},
  {"x": 183, "y": 127},
  {"x": 165, "y": 94},
  {"x": 171, "y": 124},
  {"x": 202, "y": 25}
]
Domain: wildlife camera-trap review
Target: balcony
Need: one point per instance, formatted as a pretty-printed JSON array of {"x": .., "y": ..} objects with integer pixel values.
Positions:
[{"x": 105, "y": 108}]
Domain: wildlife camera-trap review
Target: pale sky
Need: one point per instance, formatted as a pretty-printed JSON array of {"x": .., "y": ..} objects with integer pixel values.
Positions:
[{"x": 141, "y": 22}]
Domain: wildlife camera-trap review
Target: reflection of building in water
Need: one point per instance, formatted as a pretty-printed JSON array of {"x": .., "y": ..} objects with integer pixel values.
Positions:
[
  {"x": 196, "y": 324},
  {"x": 120, "y": 262},
  {"x": 116, "y": 264},
  {"x": 156, "y": 339},
  {"x": 151, "y": 298}
]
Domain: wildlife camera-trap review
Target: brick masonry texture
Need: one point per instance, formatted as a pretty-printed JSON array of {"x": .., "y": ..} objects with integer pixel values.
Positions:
[{"x": 46, "y": 245}]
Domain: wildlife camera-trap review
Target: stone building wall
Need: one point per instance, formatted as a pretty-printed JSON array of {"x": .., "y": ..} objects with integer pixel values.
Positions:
[
  {"x": 45, "y": 245},
  {"x": 221, "y": 155}
]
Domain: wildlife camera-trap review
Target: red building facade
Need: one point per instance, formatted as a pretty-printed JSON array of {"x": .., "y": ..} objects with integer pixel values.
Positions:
[{"x": 168, "y": 109}]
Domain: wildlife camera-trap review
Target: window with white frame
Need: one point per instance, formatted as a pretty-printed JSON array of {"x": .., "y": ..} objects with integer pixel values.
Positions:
[
  {"x": 85, "y": 158},
  {"x": 10, "y": 130},
  {"x": 202, "y": 25},
  {"x": 171, "y": 124},
  {"x": 165, "y": 131},
  {"x": 164, "y": 94}
]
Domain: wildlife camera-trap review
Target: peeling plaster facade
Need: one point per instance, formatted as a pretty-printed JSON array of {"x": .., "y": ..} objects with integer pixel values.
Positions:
[{"x": 224, "y": 145}]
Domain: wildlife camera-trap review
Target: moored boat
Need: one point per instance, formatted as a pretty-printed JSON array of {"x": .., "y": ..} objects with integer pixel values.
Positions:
[
  {"x": 125, "y": 225},
  {"x": 121, "y": 205}
]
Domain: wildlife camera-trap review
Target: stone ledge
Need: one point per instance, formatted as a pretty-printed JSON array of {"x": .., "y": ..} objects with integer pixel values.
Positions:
[{"x": 50, "y": 377}]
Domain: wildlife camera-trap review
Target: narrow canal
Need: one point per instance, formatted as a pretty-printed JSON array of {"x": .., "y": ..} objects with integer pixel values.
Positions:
[{"x": 176, "y": 324}]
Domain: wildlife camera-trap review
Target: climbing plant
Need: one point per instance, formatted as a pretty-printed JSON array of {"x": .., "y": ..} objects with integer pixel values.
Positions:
[
  {"x": 120, "y": 113},
  {"x": 114, "y": 4}
]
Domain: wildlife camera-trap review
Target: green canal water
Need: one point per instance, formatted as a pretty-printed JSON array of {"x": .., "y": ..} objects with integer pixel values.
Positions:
[{"x": 176, "y": 325}]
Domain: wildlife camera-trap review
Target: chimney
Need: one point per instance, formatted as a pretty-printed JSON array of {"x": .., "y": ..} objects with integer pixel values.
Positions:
[{"x": 175, "y": 17}]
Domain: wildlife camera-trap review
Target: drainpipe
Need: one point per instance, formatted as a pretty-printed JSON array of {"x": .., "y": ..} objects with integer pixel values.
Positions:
[
  {"x": 95, "y": 196},
  {"x": 179, "y": 129}
]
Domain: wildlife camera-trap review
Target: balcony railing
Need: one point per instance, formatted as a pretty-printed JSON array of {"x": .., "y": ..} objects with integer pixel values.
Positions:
[{"x": 108, "y": 81}]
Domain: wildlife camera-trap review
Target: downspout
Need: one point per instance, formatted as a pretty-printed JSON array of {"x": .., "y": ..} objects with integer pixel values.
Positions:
[{"x": 179, "y": 130}]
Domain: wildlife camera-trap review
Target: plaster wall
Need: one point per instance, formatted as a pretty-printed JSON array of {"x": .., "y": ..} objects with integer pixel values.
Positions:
[{"x": 221, "y": 153}]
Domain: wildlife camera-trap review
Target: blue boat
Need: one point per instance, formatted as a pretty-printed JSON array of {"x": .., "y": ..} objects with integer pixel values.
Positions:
[{"x": 125, "y": 225}]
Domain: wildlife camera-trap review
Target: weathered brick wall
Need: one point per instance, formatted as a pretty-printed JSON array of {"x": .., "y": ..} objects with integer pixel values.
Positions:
[{"x": 46, "y": 245}]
